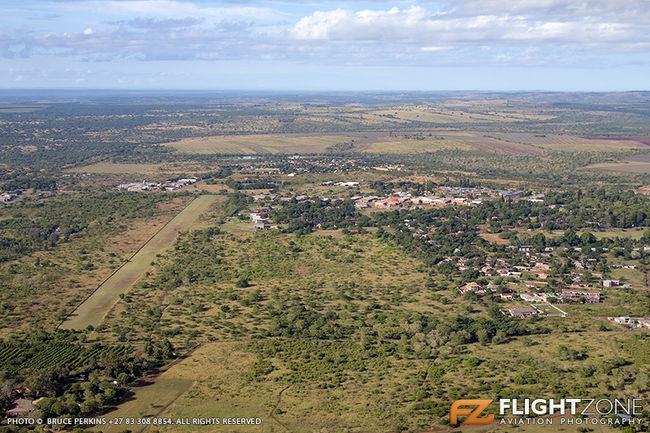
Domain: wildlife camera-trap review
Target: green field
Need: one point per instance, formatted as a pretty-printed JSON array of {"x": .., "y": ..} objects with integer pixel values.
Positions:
[{"x": 93, "y": 309}]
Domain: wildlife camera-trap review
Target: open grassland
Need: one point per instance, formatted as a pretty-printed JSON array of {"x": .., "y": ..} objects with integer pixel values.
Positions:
[
  {"x": 210, "y": 383},
  {"x": 639, "y": 167},
  {"x": 116, "y": 168},
  {"x": 148, "y": 401},
  {"x": 618, "y": 233},
  {"x": 263, "y": 143},
  {"x": 93, "y": 310}
]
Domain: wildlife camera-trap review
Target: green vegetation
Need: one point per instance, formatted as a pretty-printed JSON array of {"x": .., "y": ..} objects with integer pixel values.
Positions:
[{"x": 354, "y": 263}]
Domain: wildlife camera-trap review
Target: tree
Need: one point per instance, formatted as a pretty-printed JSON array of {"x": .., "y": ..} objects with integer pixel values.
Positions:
[{"x": 588, "y": 238}]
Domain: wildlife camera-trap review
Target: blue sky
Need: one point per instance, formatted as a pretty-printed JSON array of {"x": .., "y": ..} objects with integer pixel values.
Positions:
[{"x": 598, "y": 45}]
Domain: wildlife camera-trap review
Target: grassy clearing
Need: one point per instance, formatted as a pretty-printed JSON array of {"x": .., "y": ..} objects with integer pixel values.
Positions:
[
  {"x": 148, "y": 401},
  {"x": 93, "y": 310},
  {"x": 114, "y": 168},
  {"x": 251, "y": 144},
  {"x": 619, "y": 233},
  {"x": 625, "y": 167},
  {"x": 16, "y": 108},
  {"x": 210, "y": 383}
]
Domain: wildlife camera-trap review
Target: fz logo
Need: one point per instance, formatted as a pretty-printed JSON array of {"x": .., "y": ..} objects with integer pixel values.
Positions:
[{"x": 473, "y": 417}]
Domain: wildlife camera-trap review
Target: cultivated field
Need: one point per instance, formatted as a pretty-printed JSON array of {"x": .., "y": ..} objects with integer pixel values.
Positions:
[
  {"x": 414, "y": 141},
  {"x": 252, "y": 144},
  {"x": 569, "y": 143},
  {"x": 93, "y": 309}
]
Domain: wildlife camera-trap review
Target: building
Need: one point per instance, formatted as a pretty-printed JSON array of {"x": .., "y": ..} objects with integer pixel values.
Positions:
[
  {"x": 7, "y": 197},
  {"x": 577, "y": 295},
  {"x": 528, "y": 297},
  {"x": 471, "y": 287},
  {"x": 611, "y": 283}
]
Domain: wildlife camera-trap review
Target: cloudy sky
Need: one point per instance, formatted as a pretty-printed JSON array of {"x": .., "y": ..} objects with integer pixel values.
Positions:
[{"x": 326, "y": 45}]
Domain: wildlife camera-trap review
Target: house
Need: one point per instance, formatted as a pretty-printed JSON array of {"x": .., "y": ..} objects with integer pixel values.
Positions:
[
  {"x": 471, "y": 287},
  {"x": 388, "y": 202},
  {"x": 576, "y": 295},
  {"x": 524, "y": 249},
  {"x": 507, "y": 296},
  {"x": 424, "y": 200},
  {"x": 521, "y": 312},
  {"x": 441, "y": 202},
  {"x": 259, "y": 225},
  {"x": 624, "y": 320},
  {"x": 528, "y": 297},
  {"x": 488, "y": 270},
  {"x": 611, "y": 283}
]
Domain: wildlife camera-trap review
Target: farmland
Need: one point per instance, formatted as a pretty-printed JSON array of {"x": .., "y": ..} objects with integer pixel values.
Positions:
[
  {"x": 56, "y": 354},
  {"x": 254, "y": 144},
  {"x": 419, "y": 141}
]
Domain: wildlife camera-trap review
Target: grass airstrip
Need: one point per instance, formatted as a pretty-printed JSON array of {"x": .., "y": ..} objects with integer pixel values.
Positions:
[{"x": 95, "y": 307}]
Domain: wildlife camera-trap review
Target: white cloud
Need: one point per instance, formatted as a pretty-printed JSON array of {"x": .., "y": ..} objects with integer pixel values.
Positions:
[
  {"x": 418, "y": 25},
  {"x": 433, "y": 49},
  {"x": 462, "y": 32}
]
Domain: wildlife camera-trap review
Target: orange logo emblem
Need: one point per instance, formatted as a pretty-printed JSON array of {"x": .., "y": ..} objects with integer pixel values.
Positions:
[{"x": 457, "y": 408}]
